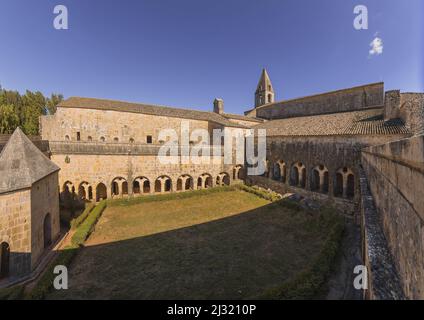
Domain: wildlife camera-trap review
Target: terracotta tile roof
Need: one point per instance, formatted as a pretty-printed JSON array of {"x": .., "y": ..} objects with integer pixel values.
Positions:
[
  {"x": 240, "y": 117},
  {"x": 113, "y": 105},
  {"x": 22, "y": 163},
  {"x": 363, "y": 122}
]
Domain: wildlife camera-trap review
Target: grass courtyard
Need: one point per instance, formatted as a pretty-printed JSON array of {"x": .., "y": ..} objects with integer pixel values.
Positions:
[{"x": 218, "y": 245}]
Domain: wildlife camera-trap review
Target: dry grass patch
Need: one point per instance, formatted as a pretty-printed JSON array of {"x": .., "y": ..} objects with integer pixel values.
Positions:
[{"x": 225, "y": 245}]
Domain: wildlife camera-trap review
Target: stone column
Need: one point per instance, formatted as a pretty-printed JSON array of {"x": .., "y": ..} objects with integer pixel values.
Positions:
[
  {"x": 344, "y": 186},
  {"x": 321, "y": 181},
  {"x": 120, "y": 183},
  {"x": 109, "y": 191},
  {"x": 94, "y": 194},
  {"x": 330, "y": 185},
  {"x": 300, "y": 175},
  {"x": 183, "y": 183},
  {"x": 130, "y": 187},
  {"x": 162, "y": 185},
  {"x": 282, "y": 171}
]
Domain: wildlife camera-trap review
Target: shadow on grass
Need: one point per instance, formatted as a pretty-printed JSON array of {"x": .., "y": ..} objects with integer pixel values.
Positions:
[{"x": 237, "y": 257}]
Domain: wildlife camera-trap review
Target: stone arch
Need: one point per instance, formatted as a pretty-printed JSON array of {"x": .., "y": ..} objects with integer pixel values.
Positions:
[
  {"x": 163, "y": 184},
  {"x": 238, "y": 173},
  {"x": 4, "y": 260},
  {"x": 67, "y": 138},
  {"x": 102, "y": 139},
  {"x": 319, "y": 179},
  {"x": 184, "y": 183},
  {"x": 85, "y": 191},
  {"x": 298, "y": 175},
  {"x": 47, "y": 230},
  {"x": 141, "y": 185},
  {"x": 204, "y": 181},
  {"x": 68, "y": 186},
  {"x": 101, "y": 192},
  {"x": 119, "y": 186},
  {"x": 344, "y": 183},
  {"x": 223, "y": 179}
]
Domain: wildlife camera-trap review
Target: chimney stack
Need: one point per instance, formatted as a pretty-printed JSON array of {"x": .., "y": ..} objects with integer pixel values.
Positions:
[{"x": 218, "y": 106}]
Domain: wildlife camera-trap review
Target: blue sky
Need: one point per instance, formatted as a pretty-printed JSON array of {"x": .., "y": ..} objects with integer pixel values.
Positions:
[{"x": 187, "y": 52}]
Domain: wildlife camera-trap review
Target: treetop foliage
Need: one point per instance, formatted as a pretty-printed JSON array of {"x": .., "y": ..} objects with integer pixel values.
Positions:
[{"x": 24, "y": 110}]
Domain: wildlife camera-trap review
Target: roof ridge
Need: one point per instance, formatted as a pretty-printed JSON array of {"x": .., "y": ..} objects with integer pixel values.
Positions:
[
  {"x": 140, "y": 103},
  {"x": 143, "y": 108},
  {"x": 320, "y": 94}
]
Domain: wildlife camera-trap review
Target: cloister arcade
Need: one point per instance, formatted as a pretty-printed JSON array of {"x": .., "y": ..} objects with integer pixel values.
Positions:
[
  {"x": 316, "y": 179},
  {"x": 120, "y": 187}
]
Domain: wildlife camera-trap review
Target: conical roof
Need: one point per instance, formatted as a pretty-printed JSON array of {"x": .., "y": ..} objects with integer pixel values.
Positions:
[
  {"x": 22, "y": 163},
  {"x": 264, "y": 82}
]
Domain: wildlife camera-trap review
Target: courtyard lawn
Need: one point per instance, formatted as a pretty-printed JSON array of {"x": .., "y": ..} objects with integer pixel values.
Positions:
[{"x": 223, "y": 245}]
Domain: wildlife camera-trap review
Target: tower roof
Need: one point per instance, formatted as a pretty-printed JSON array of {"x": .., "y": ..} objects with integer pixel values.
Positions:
[
  {"x": 264, "y": 83},
  {"x": 22, "y": 163}
]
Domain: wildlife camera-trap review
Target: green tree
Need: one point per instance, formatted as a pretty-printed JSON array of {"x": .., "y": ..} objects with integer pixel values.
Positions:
[
  {"x": 28, "y": 108},
  {"x": 52, "y": 103},
  {"x": 9, "y": 119},
  {"x": 33, "y": 108}
]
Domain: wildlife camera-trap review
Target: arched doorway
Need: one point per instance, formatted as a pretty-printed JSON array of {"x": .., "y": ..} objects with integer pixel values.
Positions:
[
  {"x": 47, "y": 230},
  {"x": 4, "y": 259},
  {"x": 189, "y": 183},
  {"x": 294, "y": 176},
  {"x": 163, "y": 184},
  {"x": 101, "y": 193},
  {"x": 338, "y": 185}
]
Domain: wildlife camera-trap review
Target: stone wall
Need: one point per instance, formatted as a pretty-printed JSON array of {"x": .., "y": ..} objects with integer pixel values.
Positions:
[
  {"x": 340, "y": 204},
  {"x": 44, "y": 200},
  {"x": 383, "y": 279},
  {"x": 337, "y": 101},
  {"x": 15, "y": 225},
  {"x": 110, "y": 125},
  {"x": 395, "y": 172},
  {"x": 93, "y": 169},
  {"x": 334, "y": 153},
  {"x": 412, "y": 111}
]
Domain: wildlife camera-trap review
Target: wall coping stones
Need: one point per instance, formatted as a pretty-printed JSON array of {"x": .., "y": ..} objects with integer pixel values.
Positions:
[{"x": 383, "y": 278}]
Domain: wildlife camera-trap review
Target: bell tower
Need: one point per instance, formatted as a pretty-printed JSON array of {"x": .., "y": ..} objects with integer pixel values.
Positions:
[{"x": 264, "y": 92}]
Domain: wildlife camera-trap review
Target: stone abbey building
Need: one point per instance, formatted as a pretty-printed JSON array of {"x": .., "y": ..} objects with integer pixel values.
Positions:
[{"x": 361, "y": 149}]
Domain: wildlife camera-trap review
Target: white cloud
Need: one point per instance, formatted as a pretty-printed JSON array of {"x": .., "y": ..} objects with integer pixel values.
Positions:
[{"x": 376, "y": 46}]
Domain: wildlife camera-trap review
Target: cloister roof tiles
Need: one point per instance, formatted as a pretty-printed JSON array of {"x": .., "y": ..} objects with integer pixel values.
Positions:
[
  {"x": 113, "y": 105},
  {"x": 363, "y": 122},
  {"x": 241, "y": 117}
]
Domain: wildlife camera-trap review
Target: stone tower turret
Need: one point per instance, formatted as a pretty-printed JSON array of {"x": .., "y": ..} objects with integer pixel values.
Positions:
[{"x": 264, "y": 92}]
